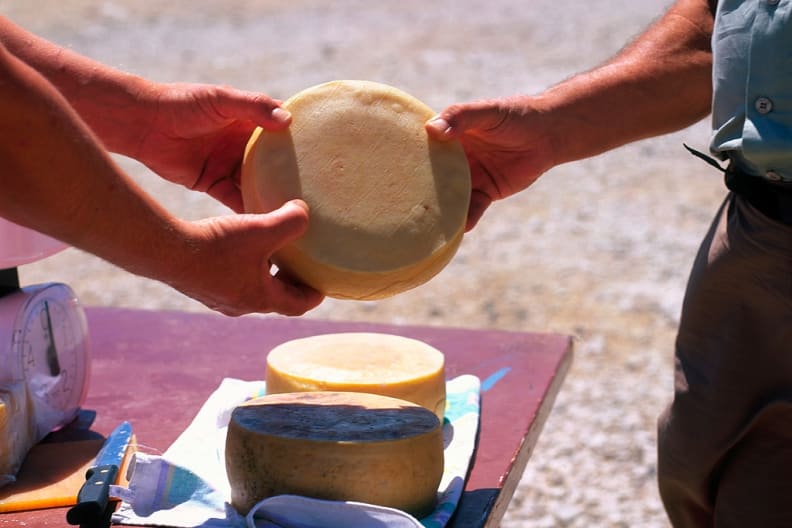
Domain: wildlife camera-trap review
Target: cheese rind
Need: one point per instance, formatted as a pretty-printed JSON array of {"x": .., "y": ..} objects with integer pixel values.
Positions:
[
  {"x": 17, "y": 429},
  {"x": 388, "y": 203},
  {"x": 377, "y": 363},
  {"x": 335, "y": 446}
]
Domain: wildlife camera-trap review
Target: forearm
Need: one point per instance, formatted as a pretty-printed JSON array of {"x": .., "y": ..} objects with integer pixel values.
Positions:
[
  {"x": 658, "y": 84},
  {"x": 108, "y": 100},
  {"x": 57, "y": 179}
]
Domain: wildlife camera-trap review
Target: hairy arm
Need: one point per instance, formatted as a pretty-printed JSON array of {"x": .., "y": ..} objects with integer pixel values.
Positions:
[{"x": 661, "y": 82}]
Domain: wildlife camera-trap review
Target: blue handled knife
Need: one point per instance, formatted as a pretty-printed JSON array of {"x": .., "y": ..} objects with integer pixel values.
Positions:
[{"x": 94, "y": 495}]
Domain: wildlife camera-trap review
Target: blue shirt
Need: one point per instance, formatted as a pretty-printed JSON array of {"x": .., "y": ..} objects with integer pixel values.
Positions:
[{"x": 752, "y": 82}]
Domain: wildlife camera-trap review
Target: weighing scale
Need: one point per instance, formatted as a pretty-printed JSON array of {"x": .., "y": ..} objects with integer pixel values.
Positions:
[{"x": 44, "y": 338}]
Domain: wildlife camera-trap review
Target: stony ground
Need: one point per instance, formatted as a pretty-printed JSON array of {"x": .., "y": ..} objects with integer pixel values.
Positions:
[{"x": 599, "y": 249}]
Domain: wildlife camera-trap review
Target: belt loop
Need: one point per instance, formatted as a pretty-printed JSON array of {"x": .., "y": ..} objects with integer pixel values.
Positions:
[
  {"x": 774, "y": 201},
  {"x": 702, "y": 156},
  {"x": 729, "y": 175}
]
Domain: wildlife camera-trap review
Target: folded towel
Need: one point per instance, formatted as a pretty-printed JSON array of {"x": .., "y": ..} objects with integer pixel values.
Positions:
[{"x": 187, "y": 486}]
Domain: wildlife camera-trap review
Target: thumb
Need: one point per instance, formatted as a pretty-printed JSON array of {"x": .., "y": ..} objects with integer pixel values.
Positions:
[
  {"x": 287, "y": 223},
  {"x": 457, "y": 119},
  {"x": 258, "y": 108}
]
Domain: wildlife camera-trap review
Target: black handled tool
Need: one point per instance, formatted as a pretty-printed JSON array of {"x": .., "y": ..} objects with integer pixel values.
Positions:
[{"x": 94, "y": 495}]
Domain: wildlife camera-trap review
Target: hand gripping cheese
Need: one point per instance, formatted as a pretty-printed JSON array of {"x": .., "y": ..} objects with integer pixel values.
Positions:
[
  {"x": 387, "y": 203},
  {"x": 335, "y": 446},
  {"x": 377, "y": 363}
]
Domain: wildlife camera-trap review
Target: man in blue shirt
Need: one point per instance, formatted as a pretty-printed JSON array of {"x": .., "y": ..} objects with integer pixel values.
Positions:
[{"x": 725, "y": 441}]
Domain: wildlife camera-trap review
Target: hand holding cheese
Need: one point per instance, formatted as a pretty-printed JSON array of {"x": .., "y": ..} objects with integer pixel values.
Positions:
[
  {"x": 388, "y": 203},
  {"x": 335, "y": 446},
  {"x": 58, "y": 105}
]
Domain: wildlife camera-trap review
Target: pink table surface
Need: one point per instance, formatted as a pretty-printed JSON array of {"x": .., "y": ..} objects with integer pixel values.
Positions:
[{"x": 156, "y": 368}]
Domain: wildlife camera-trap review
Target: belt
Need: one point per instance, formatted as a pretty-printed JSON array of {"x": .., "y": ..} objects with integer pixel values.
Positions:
[{"x": 772, "y": 198}]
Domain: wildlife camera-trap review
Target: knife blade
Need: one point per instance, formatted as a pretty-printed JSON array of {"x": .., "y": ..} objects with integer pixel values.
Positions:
[{"x": 93, "y": 497}]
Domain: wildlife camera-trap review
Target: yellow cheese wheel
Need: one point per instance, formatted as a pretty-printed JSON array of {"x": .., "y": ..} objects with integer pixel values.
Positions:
[
  {"x": 17, "y": 429},
  {"x": 377, "y": 363},
  {"x": 335, "y": 446},
  {"x": 388, "y": 203}
]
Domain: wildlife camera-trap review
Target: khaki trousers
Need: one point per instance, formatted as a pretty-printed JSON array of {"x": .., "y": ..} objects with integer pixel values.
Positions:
[{"x": 725, "y": 441}]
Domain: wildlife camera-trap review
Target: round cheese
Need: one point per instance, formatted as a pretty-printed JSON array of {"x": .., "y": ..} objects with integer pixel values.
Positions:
[
  {"x": 17, "y": 428},
  {"x": 388, "y": 203},
  {"x": 390, "y": 365},
  {"x": 335, "y": 446}
]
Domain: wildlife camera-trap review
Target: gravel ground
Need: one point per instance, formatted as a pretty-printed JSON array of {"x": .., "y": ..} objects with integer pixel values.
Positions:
[{"x": 599, "y": 249}]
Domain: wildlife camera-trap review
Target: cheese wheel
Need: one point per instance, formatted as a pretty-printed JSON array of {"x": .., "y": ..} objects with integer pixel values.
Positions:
[
  {"x": 390, "y": 365},
  {"x": 17, "y": 429},
  {"x": 335, "y": 446},
  {"x": 387, "y": 203}
]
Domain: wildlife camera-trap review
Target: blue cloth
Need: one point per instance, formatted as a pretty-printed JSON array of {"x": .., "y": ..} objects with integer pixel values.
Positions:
[{"x": 752, "y": 82}]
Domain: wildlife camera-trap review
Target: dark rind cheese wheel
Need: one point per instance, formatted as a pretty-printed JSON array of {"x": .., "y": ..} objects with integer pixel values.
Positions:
[{"x": 335, "y": 446}]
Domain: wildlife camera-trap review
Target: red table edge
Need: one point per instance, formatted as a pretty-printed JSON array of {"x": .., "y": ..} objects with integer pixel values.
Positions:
[{"x": 523, "y": 454}]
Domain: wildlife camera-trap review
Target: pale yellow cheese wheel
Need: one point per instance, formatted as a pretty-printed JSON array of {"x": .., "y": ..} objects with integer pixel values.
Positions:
[
  {"x": 335, "y": 446},
  {"x": 387, "y": 203},
  {"x": 17, "y": 428},
  {"x": 378, "y": 363}
]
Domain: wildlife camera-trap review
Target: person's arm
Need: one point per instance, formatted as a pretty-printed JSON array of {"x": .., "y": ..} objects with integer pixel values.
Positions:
[
  {"x": 659, "y": 83},
  {"x": 191, "y": 134},
  {"x": 56, "y": 178},
  {"x": 105, "y": 98}
]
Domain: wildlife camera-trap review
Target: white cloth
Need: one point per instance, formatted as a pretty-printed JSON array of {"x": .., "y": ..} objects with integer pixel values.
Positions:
[{"x": 187, "y": 486}]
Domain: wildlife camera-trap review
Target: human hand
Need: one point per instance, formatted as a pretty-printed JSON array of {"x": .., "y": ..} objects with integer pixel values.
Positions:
[
  {"x": 505, "y": 142},
  {"x": 197, "y": 133},
  {"x": 228, "y": 267}
]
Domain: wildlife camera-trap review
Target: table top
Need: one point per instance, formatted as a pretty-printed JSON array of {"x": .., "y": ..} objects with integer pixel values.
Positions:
[{"x": 156, "y": 368}]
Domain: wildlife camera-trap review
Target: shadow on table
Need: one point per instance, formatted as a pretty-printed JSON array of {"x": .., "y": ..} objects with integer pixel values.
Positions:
[{"x": 474, "y": 508}]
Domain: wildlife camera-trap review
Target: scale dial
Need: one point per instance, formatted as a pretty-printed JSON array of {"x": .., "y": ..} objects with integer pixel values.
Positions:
[{"x": 47, "y": 346}]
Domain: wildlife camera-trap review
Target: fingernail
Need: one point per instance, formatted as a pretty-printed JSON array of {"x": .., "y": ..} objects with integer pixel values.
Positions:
[
  {"x": 440, "y": 124},
  {"x": 301, "y": 204},
  {"x": 281, "y": 114}
]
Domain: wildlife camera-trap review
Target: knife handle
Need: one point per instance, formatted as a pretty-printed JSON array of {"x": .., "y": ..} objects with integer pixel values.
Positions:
[{"x": 93, "y": 496}]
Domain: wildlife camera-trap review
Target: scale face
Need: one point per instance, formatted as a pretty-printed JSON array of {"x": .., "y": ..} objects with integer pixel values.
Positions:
[{"x": 44, "y": 342}]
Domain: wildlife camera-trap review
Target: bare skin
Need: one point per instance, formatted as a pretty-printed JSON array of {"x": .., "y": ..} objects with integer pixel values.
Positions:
[
  {"x": 659, "y": 83},
  {"x": 61, "y": 115}
]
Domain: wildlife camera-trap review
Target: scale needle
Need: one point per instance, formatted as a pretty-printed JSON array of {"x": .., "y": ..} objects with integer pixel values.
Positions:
[{"x": 52, "y": 352}]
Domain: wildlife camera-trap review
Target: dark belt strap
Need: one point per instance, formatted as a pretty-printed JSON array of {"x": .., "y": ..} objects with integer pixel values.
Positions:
[{"x": 773, "y": 199}]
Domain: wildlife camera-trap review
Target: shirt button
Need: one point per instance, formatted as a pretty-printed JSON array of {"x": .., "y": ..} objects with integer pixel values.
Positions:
[
  {"x": 763, "y": 105},
  {"x": 773, "y": 175}
]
